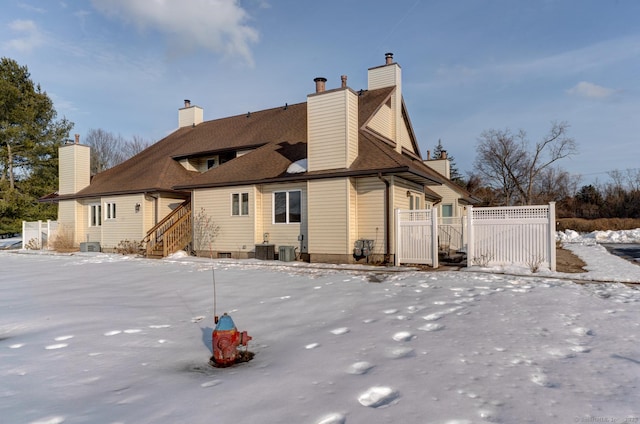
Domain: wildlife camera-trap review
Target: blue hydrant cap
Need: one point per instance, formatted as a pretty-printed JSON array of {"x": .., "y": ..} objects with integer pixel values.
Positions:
[{"x": 225, "y": 323}]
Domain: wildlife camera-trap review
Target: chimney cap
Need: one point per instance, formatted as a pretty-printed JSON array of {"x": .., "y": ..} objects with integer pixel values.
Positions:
[
  {"x": 388, "y": 58},
  {"x": 320, "y": 84},
  {"x": 187, "y": 103}
]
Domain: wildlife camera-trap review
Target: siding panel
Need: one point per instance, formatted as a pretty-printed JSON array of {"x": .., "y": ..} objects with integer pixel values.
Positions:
[{"x": 328, "y": 216}]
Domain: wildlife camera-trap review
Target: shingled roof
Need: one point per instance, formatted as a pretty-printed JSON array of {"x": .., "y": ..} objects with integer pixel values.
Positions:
[{"x": 277, "y": 137}]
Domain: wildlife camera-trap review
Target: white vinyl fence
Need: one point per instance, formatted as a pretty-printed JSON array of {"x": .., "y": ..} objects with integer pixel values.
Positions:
[
  {"x": 522, "y": 235},
  {"x": 36, "y": 234},
  {"x": 416, "y": 237}
]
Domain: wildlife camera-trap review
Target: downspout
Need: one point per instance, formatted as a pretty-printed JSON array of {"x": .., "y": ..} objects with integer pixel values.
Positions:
[{"x": 387, "y": 229}]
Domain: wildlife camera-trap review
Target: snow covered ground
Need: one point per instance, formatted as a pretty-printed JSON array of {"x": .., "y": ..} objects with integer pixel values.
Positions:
[{"x": 97, "y": 338}]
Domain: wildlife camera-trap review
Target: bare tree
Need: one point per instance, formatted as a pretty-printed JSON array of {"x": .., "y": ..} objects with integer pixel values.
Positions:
[
  {"x": 134, "y": 146},
  {"x": 108, "y": 150},
  {"x": 509, "y": 163}
]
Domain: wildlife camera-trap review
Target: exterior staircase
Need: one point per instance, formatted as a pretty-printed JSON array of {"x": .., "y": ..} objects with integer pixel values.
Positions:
[{"x": 173, "y": 233}]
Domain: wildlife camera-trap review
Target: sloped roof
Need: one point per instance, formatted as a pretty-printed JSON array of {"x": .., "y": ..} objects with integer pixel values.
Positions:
[{"x": 277, "y": 138}]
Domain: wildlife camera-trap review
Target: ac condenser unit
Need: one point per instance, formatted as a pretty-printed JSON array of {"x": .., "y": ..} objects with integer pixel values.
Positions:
[
  {"x": 287, "y": 253},
  {"x": 90, "y": 246}
]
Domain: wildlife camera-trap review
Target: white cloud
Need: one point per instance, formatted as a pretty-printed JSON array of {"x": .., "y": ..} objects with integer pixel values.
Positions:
[
  {"x": 216, "y": 25},
  {"x": 590, "y": 90},
  {"x": 30, "y": 36},
  {"x": 31, "y": 8}
]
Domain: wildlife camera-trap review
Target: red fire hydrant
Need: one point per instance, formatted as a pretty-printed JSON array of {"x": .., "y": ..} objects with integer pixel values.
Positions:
[{"x": 225, "y": 341}]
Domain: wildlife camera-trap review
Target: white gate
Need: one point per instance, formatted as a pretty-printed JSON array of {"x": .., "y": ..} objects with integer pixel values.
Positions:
[
  {"x": 416, "y": 237},
  {"x": 522, "y": 235},
  {"x": 36, "y": 234}
]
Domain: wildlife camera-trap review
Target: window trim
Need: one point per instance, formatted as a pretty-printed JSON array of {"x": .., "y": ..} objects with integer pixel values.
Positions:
[
  {"x": 110, "y": 211},
  {"x": 241, "y": 202},
  {"x": 95, "y": 214},
  {"x": 442, "y": 210},
  {"x": 287, "y": 207}
]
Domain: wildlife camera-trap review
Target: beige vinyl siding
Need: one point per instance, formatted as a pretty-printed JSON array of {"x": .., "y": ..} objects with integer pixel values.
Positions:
[
  {"x": 384, "y": 76},
  {"x": 258, "y": 204},
  {"x": 332, "y": 130},
  {"x": 405, "y": 139},
  {"x": 328, "y": 216},
  {"x": 189, "y": 116},
  {"x": 72, "y": 219},
  {"x": 400, "y": 188},
  {"x": 149, "y": 213},
  {"x": 382, "y": 121},
  {"x": 441, "y": 166},
  {"x": 236, "y": 233},
  {"x": 166, "y": 205},
  {"x": 283, "y": 234},
  {"x": 449, "y": 197},
  {"x": 73, "y": 170},
  {"x": 388, "y": 76},
  {"x": 189, "y": 164},
  {"x": 91, "y": 233},
  {"x": 353, "y": 212},
  {"x": 352, "y": 127},
  {"x": 370, "y": 210},
  {"x": 127, "y": 225}
]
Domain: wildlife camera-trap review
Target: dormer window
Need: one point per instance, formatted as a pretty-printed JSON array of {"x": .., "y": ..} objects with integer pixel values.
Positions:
[{"x": 213, "y": 162}]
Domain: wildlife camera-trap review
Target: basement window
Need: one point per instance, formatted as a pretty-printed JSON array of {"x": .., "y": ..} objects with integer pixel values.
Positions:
[{"x": 287, "y": 207}]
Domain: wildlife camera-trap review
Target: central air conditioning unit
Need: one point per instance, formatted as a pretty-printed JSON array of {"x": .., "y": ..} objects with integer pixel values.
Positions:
[
  {"x": 287, "y": 253},
  {"x": 90, "y": 246},
  {"x": 265, "y": 252}
]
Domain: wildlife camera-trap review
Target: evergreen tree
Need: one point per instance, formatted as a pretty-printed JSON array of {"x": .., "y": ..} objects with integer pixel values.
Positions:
[
  {"x": 456, "y": 177},
  {"x": 30, "y": 134}
]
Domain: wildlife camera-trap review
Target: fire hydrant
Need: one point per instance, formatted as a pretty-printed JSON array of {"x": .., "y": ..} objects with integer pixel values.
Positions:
[{"x": 225, "y": 341}]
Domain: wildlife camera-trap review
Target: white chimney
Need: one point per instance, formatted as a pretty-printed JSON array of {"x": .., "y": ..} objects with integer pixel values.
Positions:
[{"x": 189, "y": 116}]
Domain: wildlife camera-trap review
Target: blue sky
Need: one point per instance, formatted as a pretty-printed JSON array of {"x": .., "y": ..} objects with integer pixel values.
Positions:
[{"x": 126, "y": 66}]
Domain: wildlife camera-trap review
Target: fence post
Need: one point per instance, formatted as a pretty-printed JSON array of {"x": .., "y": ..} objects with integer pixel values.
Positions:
[
  {"x": 552, "y": 236},
  {"x": 24, "y": 225},
  {"x": 434, "y": 237},
  {"x": 470, "y": 252}
]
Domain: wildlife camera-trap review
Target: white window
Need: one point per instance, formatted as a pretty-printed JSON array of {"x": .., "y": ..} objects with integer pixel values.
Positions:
[
  {"x": 240, "y": 204},
  {"x": 447, "y": 211},
  {"x": 287, "y": 207},
  {"x": 414, "y": 202},
  {"x": 110, "y": 210},
  {"x": 95, "y": 215}
]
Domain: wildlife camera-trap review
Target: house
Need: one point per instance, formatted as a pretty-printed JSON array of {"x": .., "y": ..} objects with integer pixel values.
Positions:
[{"x": 315, "y": 177}]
